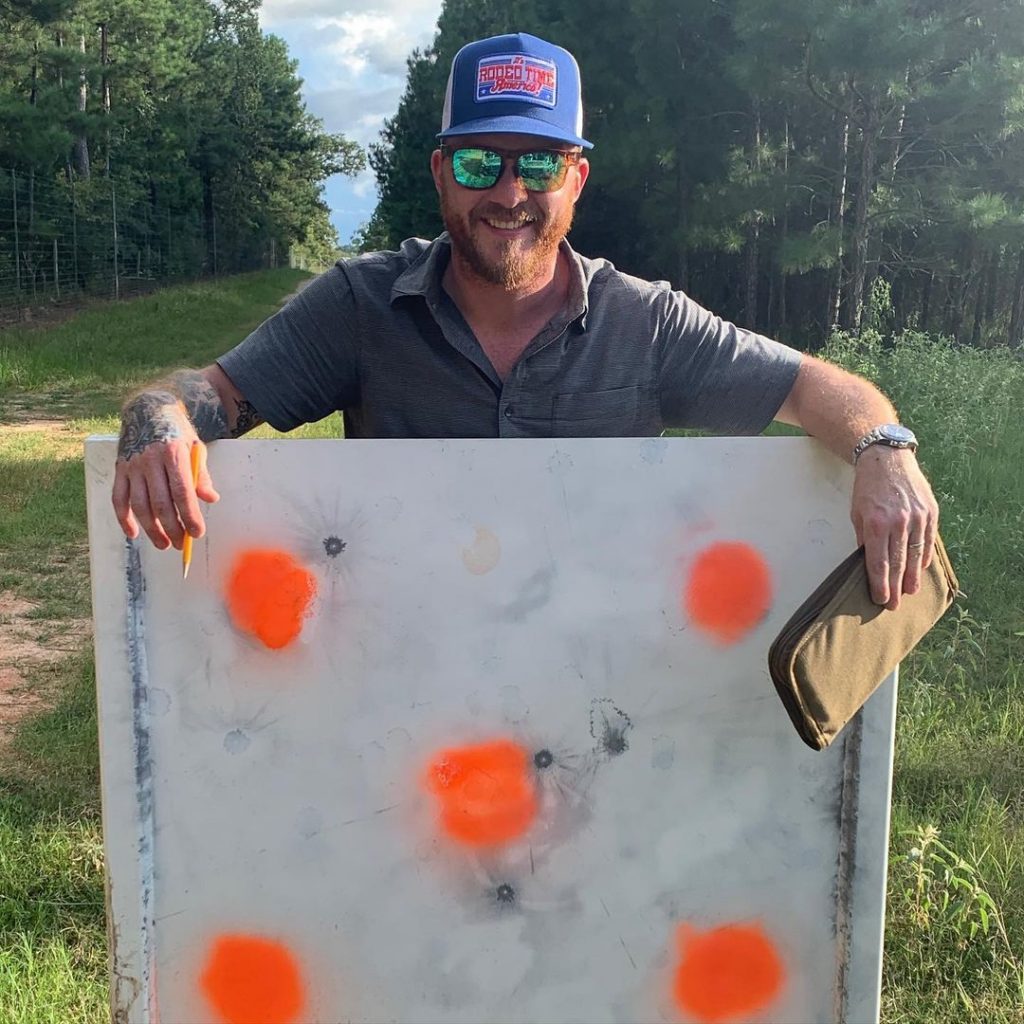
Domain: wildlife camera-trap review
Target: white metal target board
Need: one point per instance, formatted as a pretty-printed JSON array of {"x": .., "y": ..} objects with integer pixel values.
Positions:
[{"x": 461, "y": 731}]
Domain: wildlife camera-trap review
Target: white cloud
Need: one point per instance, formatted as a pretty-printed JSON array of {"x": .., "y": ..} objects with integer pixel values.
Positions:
[
  {"x": 277, "y": 11},
  {"x": 365, "y": 185},
  {"x": 369, "y": 42},
  {"x": 359, "y": 114},
  {"x": 358, "y": 38},
  {"x": 352, "y": 57}
]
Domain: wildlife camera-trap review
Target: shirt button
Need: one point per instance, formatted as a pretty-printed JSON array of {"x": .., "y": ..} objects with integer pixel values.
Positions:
[{"x": 508, "y": 411}]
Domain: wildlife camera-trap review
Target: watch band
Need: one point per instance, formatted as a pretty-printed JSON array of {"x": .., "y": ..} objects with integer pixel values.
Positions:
[{"x": 892, "y": 435}]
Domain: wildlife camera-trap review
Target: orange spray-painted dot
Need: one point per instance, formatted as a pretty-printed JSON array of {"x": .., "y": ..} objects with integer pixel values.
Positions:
[
  {"x": 727, "y": 973},
  {"x": 252, "y": 980},
  {"x": 729, "y": 590},
  {"x": 268, "y": 595},
  {"x": 486, "y": 791}
]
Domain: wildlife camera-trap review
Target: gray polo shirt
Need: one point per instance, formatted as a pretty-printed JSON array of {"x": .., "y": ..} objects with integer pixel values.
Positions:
[{"x": 378, "y": 338}]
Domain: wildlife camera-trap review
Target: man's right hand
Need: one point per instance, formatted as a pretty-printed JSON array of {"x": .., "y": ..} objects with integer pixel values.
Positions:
[{"x": 153, "y": 476}]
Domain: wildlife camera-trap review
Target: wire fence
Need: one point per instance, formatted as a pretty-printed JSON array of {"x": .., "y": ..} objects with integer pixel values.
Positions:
[{"x": 62, "y": 240}]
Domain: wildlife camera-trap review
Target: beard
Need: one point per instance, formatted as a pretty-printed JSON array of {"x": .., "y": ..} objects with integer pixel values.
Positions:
[{"x": 516, "y": 264}]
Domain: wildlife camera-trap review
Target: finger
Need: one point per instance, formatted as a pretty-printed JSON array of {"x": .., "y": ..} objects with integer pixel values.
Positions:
[
  {"x": 204, "y": 485},
  {"x": 120, "y": 498},
  {"x": 874, "y": 531},
  {"x": 183, "y": 494},
  {"x": 897, "y": 568},
  {"x": 915, "y": 551},
  {"x": 144, "y": 513},
  {"x": 931, "y": 531},
  {"x": 876, "y": 556},
  {"x": 162, "y": 502}
]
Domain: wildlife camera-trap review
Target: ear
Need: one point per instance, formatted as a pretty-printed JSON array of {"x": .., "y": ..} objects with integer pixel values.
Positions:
[
  {"x": 582, "y": 173},
  {"x": 436, "y": 162}
]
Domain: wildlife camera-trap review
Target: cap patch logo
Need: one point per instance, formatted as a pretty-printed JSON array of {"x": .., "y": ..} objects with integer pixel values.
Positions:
[{"x": 514, "y": 76}]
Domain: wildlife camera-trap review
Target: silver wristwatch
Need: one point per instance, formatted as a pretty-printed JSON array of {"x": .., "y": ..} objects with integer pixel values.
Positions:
[{"x": 891, "y": 434}]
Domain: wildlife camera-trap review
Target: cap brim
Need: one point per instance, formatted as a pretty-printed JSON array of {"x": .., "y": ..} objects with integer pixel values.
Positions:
[{"x": 516, "y": 125}]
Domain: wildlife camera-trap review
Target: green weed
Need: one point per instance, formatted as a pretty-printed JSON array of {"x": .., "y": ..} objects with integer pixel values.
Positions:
[
  {"x": 53, "y": 948},
  {"x": 111, "y": 348},
  {"x": 955, "y": 922}
]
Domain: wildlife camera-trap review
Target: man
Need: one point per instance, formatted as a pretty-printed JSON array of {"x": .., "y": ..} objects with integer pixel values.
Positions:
[{"x": 498, "y": 328}]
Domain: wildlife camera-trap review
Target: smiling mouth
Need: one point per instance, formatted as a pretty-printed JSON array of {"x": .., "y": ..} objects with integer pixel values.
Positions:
[{"x": 503, "y": 224}]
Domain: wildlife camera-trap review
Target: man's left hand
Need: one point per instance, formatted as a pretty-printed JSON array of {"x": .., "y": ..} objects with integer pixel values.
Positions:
[{"x": 896, "y": 518}]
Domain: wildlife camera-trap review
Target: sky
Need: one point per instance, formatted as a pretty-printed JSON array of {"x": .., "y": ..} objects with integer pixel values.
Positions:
[{"x": 351, "y": 56}]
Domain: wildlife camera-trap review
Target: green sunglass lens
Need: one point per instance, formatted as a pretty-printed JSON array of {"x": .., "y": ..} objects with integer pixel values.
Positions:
[
  {"x": 481, "y": 168},
  {"x": 476, "y": 168},
  {"x": 542, "y": 171}
]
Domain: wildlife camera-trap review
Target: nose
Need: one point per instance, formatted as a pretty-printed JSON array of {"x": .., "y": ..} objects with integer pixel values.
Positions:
[{"x": 509, "y": 189}]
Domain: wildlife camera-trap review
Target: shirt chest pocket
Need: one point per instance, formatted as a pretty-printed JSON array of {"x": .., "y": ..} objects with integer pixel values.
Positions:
[{"x": 618, "y": 412}]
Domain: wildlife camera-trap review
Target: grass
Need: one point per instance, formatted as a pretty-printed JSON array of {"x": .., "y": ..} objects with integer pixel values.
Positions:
[
  {"x": 955, "y": 922},
  {"x": 53, "y": 949},
  {"x": 109, "y": 349},
  {"x": 955, "y": 929}
]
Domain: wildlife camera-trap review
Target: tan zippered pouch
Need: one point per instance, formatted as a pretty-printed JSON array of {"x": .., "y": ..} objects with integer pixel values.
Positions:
[{"x": 839, "y": 645}]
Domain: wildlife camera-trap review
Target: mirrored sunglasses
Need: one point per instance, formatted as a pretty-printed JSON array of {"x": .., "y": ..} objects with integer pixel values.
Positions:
[{"x": 541, "y": 170}]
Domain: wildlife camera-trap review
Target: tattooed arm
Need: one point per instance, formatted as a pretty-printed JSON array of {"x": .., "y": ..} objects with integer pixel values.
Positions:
[{"x": 153, "y": 479}]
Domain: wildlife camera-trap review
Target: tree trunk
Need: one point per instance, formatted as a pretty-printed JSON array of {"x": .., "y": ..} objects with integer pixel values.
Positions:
[
  {"x": 81, "y": 144},
  {"x": 209, "y": 226},
  {"x": 858, "y": 273},
  {"x": 104, "y": 61},
  {"x": 960, "y": 292},
  {"x": 682, "y": 196},
  {"x": 682, "y": 203},
  {"x": 754, "y": 228},
  {"x": 897, "y": 141},
  {"x": 839, "y": 220},
  {"x": 984, "y": 299},
  {"x": 59, "y": 41},
  {"x": 979, "y": 304},
  {"x": 32, "y": 98},
  {"x": 992, "y": 284},
  {"x": 1016, "y": 338},
  {"x": 926, "y": 296},
  {"x": 780, "y": 288}
]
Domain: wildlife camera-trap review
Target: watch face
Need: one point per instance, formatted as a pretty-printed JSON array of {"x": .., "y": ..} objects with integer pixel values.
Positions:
[{"x": 894, "y": 432}]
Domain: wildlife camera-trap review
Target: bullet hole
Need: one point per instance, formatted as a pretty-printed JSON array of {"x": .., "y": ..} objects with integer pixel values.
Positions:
[
  {"x": 505, "y": 893},
  {"x": 543, "y": 758},
  {"x": 609, "y": 725},
  {"x": 334, "y": 546},
  {"x": 236, "y": 741},
  {"x": 614, "y": 741}
]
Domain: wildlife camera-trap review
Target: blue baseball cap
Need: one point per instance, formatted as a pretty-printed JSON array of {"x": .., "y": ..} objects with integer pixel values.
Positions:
[{"x": 514, "y": 83}]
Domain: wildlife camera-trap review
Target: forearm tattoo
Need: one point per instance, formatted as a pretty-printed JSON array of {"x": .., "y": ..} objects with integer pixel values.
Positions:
[
  {"x": 202, "y": 403},
  {"x": 246, "y": 417},
  {"x": 155, "y": 415}
]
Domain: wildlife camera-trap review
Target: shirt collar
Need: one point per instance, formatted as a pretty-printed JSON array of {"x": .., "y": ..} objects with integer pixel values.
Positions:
[{"x": 424, "y": 275}]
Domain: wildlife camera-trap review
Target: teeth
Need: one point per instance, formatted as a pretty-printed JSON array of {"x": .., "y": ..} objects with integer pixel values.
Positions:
[{"x": 509, "y": 225}]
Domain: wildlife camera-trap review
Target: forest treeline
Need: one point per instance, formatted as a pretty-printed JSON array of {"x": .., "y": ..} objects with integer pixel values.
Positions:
[
  {"x": 185, "y": 104},
  {"x": 781, "y": 160}
]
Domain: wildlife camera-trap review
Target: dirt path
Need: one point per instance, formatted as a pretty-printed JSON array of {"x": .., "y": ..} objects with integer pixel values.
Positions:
[
  {"x": 27, "y": 644},
  {"x": 298, "y": 288},
  {"x": 32, "y": 643}
]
